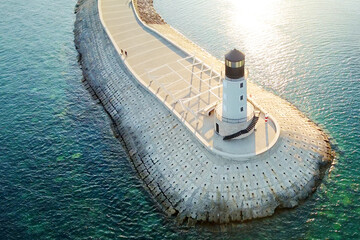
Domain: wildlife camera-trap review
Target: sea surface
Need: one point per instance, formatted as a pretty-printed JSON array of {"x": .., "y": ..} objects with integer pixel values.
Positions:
[{"x": 63, "y": 175}]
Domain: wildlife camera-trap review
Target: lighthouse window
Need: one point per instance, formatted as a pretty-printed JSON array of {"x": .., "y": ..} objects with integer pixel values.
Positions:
[
  {"x": 241, "y": 85},
  {"x": 241, "y": 97},
  {"x": 228, "y": 63},
  {"x": 241, "y": 109}
]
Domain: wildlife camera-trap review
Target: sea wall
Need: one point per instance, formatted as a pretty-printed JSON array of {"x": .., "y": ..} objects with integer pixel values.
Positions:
[{"x": 184, "y": 178}]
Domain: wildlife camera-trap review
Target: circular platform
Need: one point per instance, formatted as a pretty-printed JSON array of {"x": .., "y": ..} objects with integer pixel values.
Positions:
[{"x": 259, "y": 141}]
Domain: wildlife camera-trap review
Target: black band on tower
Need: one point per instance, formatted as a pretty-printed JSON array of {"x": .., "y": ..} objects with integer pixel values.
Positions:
[
  {"x": 234, "y": 73},
  {"x": 234, "y": 64}
]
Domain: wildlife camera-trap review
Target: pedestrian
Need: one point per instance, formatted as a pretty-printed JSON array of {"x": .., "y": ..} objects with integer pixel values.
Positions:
[
  {"x": 126, "y": 53},
  {"x": 122, "y": 52}
]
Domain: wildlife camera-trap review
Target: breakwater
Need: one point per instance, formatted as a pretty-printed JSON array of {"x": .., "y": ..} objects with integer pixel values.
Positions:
[{"x": 184, "y": 178}]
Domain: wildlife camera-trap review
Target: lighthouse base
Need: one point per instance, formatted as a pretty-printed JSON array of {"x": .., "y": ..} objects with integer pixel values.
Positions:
[{"x": 238, "y": 128}]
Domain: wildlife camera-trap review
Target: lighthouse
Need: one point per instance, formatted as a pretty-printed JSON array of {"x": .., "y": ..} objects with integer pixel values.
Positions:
[{"x": 235, "y": 115}]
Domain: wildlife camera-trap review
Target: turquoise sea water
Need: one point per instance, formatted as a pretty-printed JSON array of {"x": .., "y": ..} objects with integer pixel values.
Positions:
[{"x": 64, "y": 176}]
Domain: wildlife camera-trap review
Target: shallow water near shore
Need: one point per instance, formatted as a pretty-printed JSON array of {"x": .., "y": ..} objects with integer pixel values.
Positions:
[{"x": 64, "y": 176}]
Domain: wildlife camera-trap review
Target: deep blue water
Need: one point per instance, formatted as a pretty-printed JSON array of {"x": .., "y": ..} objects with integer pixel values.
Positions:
[{"x": 64, "y": 176}]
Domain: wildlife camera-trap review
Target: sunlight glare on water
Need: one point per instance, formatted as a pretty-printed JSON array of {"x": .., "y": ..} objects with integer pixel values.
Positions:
[
  {"x": 254, "y": 26},
  {"x": 255, "y": 17}
]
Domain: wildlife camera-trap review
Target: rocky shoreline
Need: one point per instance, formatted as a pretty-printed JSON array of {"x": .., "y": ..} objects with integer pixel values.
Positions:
[
  {"x": 144, "y": 126},
  {"x": 147, "y": 12}
]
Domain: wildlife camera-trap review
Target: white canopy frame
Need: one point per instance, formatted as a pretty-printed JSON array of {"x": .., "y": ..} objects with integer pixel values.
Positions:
[{"x": 197, "y": 100}]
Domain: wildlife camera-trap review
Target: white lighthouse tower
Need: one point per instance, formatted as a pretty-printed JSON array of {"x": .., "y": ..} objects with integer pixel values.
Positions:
[{"x": 235, "y": 116}]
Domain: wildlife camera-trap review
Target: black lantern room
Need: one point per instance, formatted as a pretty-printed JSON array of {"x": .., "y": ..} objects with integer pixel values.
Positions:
[{"x": 234, "y": 64}]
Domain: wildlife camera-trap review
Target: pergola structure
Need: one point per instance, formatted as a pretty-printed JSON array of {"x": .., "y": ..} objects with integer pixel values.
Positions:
[{"x": 197, "y": 91}]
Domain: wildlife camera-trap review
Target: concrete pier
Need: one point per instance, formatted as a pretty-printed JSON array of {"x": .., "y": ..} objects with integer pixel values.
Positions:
[{"x": 185, "y": 178}]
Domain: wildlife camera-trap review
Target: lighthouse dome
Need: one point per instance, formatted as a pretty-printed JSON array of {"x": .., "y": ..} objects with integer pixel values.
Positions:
[
  {"x": 234, "y": 64},
  {"x": 234, "y": 56}
]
